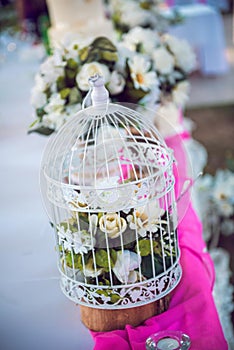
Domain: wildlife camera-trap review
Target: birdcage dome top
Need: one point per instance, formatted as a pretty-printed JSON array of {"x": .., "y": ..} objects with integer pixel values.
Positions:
[{"x": 105, "y": 147}]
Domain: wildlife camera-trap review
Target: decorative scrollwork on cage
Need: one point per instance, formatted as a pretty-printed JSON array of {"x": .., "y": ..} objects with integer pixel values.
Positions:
[{"x": 108, "y": 186}]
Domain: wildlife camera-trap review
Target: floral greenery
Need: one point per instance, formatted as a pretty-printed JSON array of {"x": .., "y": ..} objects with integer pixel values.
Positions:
[
  {"x": 127, "y": 14},
  {"x": 80, "y": 250},
  {"x": 144, "y": 68}
]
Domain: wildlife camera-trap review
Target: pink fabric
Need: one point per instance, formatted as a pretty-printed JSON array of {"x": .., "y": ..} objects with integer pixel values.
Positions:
[
  {"x": 192, "y": 308},
  {"x": 180, "y": 168},
  {"x": 170, "y": 3}
]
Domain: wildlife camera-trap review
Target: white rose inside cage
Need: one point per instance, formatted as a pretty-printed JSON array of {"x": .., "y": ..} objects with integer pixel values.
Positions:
[{"x": 109, "y": 189}]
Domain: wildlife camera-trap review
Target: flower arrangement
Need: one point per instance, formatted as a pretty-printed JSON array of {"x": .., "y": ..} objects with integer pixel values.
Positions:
[
  {"x": 85, "y": 257},
  {"x": 127, "y": 14},
  {"x": 144, "y": 68},
  {"x": 216, "y": 196}
]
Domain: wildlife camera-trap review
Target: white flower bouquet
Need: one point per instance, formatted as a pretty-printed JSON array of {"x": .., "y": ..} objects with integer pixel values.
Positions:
[
  {"x": 127, "y": 14},
  {"x": 144, "y": 68}
]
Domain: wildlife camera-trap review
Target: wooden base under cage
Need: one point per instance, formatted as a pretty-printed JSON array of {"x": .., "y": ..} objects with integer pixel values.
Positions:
[{"x": 103, "y": 320}]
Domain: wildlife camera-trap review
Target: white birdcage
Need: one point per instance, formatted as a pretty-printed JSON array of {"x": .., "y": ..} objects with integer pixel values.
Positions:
[{"x": 108, "y": 185}]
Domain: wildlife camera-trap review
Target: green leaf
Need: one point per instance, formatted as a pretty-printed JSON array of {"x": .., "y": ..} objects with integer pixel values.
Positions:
[
  {"x": 144, "y": 247},
  {"x": 72, "y": 64},
  {"x": 64, "y": 93},
  {"x": 71, "y": 224},
  {"x": 113, "y": 255},
  {"x": 109, "y": 56},
  {"x": 61, "y": 83},
  {"x": 102, "y": 258},
  {"x": 114, "y": 298},
  {"x": 74, "y": 96},
  {"x": 147, "y": 268},
  {"x": 77, "y": 258},
  {"x": 83, "y": 53},
  {"x": 93, "y": 56},
  {"x": 101, "y": 49},
  {"x": 34, "y": 123},
  {"x": 132, "y": 93},
  {"x": 157, "y": 248},
  {"x": 40, "y": 112},
  {"x": 70, "y": 73},
  {"x": 146, "y": 5},
  {"x": 83, "y": 216},
  {"x": 41, "y": 130},
  {"x": 106, "y": 281},
  {"x": 103, "y": 43},
  {"x": 102, "y": 292}
]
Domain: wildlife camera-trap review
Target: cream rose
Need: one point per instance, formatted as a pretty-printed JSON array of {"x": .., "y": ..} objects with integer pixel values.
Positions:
[
  {"x": 112, "y": 224},
  {"x": 88, "y": 70}
]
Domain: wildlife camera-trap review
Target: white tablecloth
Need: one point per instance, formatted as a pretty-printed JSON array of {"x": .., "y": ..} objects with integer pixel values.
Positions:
[
  {"x": 34, "y": 312},
  {"x": 203, "y": 29}
]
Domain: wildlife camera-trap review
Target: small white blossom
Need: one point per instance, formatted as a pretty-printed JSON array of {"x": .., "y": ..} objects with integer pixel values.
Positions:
[
  {"x": 125, "y": 266},
  {"x": 116, "y": 84},
  {"x": 38, "y": 98},
  {"x": 40, "y": 82},
  {"x": 205, "y": 183},
  {"x": 223, "y": 185},
  {"x": 71, "y": 52},
  {"x": 123, "y": 55},
  {"x": 146, "y": 218},
  {"x": 65, "y": 237},
  {"x": 140, "y": 74},
  {"x": 54, "y": 120},
  {"x": 223, "y": 192},
  {"x": 73, "y": 109},
  {"x": 88, "y": 70},
  {"x": 225, "y": 208},
  {"x": 55, "y": 104},
  {"x": 131, "y": 14},
  {"x": 227, "y": 227},
  {"x": 80, "y": 242},
  {"x": 185, "y": 58},
  {"x": 139, "y": 38},
  {"x": 163, "y": 60},
  {"x": 50, "y": 70},
  {"x": 180, "y": 93}
]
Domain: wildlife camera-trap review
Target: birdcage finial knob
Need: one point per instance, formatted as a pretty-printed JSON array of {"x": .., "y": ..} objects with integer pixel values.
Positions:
[{"x": 99, "y": 94}]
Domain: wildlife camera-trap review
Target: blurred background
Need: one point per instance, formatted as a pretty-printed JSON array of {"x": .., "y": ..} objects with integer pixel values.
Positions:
[{"x": 209, "y": 115}]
